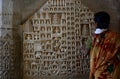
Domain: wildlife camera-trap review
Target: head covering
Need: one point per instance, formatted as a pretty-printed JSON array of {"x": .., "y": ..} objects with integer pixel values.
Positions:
[{"x": 102, "y": 19}]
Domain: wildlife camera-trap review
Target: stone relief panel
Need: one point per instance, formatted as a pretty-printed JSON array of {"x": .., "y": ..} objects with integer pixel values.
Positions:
[{"x": 56, "y": 46}]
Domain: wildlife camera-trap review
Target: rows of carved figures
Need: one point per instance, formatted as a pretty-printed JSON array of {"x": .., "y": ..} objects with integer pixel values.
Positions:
[{"x": 57, "y": 44}]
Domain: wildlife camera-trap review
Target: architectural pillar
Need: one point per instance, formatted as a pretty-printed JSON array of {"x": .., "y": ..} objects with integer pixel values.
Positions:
[{"x": 9, "y": 51}]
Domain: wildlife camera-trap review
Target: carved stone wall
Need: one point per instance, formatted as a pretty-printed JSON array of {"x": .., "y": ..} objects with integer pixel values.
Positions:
[
  {"x": 9, "y": 43},
  {"x": 54, "y": 43}
]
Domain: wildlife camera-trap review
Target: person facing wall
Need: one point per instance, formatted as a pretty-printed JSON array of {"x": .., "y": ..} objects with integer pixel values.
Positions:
[{"x": 105, "y": 50}]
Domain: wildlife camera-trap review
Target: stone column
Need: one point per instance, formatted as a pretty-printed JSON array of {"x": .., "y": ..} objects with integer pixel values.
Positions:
[{"x": 9, "y": 42}]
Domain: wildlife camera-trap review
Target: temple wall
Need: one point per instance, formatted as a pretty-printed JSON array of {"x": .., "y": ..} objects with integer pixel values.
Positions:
[
  {"x": 50, "y": 34},
  {"x": 54, "y": 41}
]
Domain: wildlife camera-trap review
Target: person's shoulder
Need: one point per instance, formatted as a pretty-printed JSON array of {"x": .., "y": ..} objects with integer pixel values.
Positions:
[
  {"x": 113, "y": 33},
  {"x": 113, "y": 36}
]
